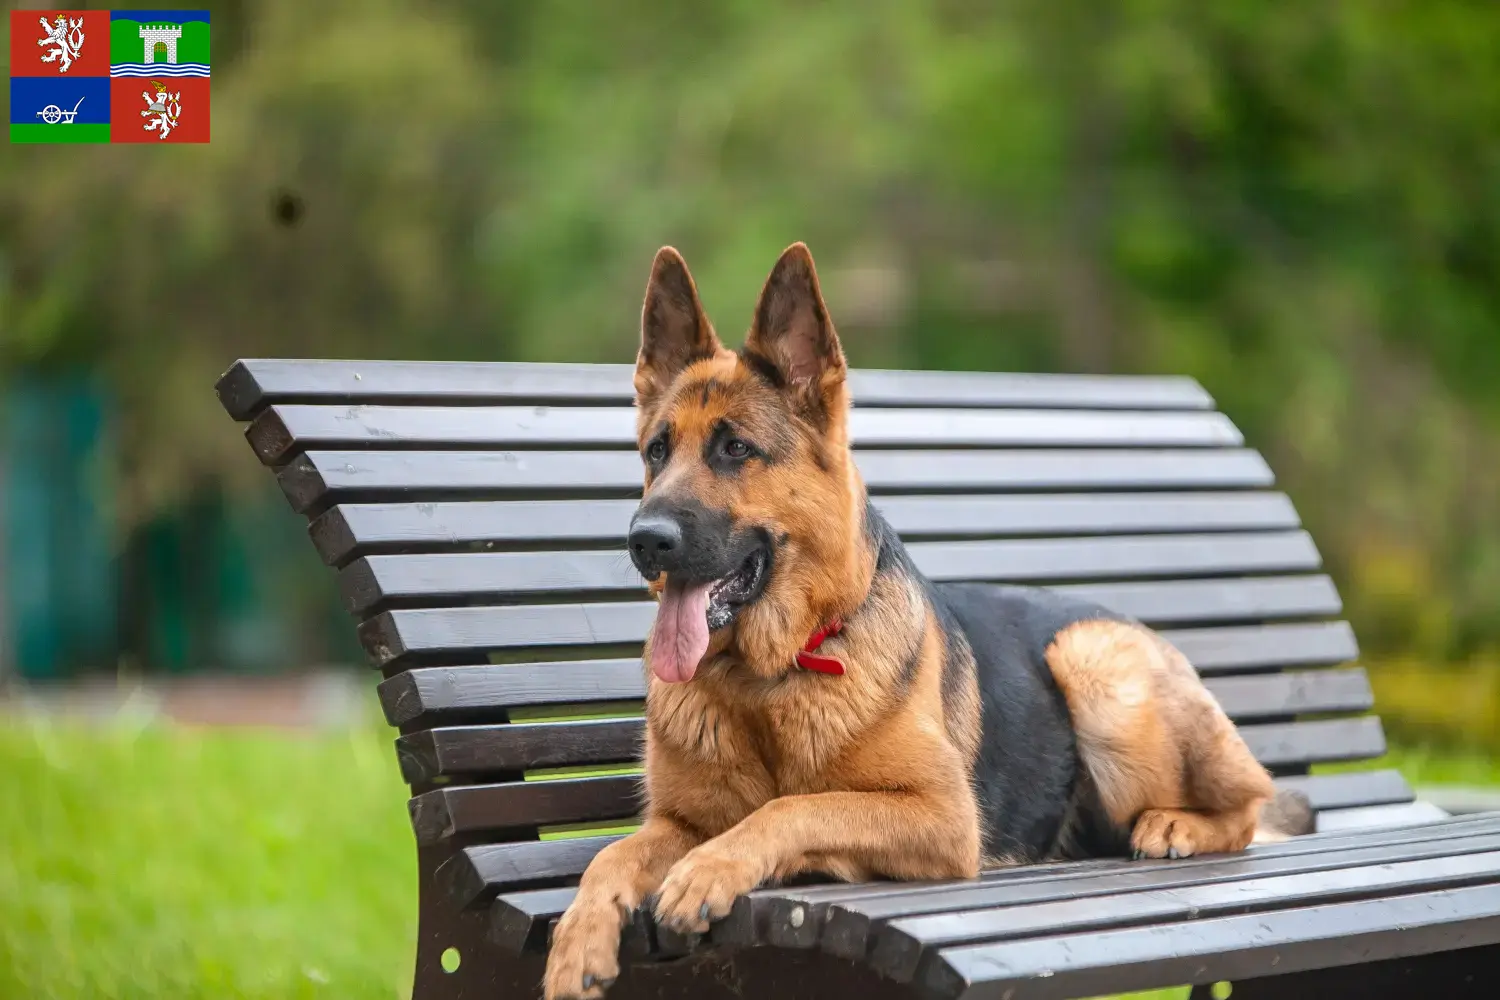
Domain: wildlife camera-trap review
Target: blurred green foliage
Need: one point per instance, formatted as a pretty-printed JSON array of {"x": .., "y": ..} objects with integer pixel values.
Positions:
[{"x": 1301, "y": 207}]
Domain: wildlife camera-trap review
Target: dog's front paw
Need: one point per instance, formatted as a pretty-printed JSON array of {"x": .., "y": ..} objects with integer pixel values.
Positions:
[
  {"x": 1167, "y": 833},
  {"x": 585, "y": 955},
  {"x": 701, "y": 888}
]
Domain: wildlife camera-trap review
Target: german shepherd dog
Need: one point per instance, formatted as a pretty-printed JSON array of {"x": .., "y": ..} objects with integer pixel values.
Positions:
[{"x": 815, "y": 705}]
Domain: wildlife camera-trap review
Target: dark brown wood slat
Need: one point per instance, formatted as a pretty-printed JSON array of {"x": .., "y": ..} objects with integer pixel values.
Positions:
[
  {"x": 845, "y": 920},
  {"x": 1203, "y": 902},
  {"x": 523, "y": 923},
  {"x": 251, "y": 384},
  {"x": 1353, "y": 788},
  {"x": 1259, "y": 647},
  {"x": 402, "y": 635},
  {"x": 1325, "y": 741},
  {"x": 468, "y": 751},
  {"x": 458, "y": 751},
  {"x": 446, "y": 694},
  {"x": 1227, "y": 948},
  {"x": 900, "y": 943},
  {"x": 1300, "y": 693},
  {"x": 885, "y": 921},
  {"x": 518, "y": 746},
  {"x": 446, "y": 812},
  {"x": 1408, "y": 814},
  {"x": 283, "y": 430},
  {"x": 1323, "y": 792},
  {"x": 351, "y": 530},
  {"x": 464, "y": 577},
  {"x": 474, "y": 874},
  {"x": 441, "y": 693},
  {"x": 317, "y": 479},
  {"x": 528, "y": 913},
  {"x": 895, "y": 930}
]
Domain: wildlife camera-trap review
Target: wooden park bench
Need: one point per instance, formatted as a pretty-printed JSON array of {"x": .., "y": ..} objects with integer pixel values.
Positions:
[{"x": 476, "y": 514}]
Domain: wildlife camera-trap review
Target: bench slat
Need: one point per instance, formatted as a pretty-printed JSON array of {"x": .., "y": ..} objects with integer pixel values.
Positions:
[
  {"x": 350, "y": 530},
  {"x": 438, "y": 695},
  {"x": 284, "y": 430},
  {"x": 463, "y": 809},
  {"x": 1323, "y": 790},
  {"x": 464, "y": 577},
  {"x": 1179, "y": 903},
  {"x": 457, "y": 751},
  {"x": 892, "y": 926},
  {"x": 317, "y": 479},
  {"x": 447, "y": 812},
  {"x": 1299, "y": 693},
  {"x": 1258, "y": 647},
  {"x": 1226, "y": 948},
  {"x": 251, "y": 384},
  {"x": 527, "y": 914},
  {"x": 1281, "y": 744},
  {"x": 401, "y": 635},
  {"x": 1376, "y": 816},
  {"x": 1351, "y": 788},
  {"x": 473, "y": 874},
  {"x": 474, "y": 750}
]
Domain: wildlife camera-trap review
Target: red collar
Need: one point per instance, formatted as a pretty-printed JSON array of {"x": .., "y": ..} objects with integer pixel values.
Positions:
[{"x": 808, "y": 658}]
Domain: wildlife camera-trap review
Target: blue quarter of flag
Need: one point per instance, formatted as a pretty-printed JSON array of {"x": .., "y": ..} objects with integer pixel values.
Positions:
[
  {"x": 159, "y": 16},
  {"x": 38, "y": 99}
]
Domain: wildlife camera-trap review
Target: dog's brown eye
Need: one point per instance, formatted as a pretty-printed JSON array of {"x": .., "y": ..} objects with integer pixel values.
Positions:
[
  {"x": 735, "y": 448},
  {"x": 656, "y": 450}
]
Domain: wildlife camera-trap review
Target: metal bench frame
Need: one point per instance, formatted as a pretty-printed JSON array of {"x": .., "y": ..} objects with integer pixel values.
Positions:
[{"x": 475, "y": 514}]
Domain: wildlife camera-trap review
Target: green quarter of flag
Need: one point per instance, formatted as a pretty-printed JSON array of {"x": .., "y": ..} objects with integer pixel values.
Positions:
[
  {"x": 159, "y": 43},
  {"x": 76, "y": 132}
]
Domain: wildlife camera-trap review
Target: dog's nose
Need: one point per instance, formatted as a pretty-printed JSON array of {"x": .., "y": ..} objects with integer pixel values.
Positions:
[{"x": 655, "y": 544}]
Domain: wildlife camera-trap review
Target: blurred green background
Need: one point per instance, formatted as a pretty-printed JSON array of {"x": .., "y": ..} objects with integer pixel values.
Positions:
[{"x": 1299, "y": 206}]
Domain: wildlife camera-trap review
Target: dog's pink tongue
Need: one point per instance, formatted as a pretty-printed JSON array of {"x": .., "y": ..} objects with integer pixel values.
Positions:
[{"x": 679, "y": 638}]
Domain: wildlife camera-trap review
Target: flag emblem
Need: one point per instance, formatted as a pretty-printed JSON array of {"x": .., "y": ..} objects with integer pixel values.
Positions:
[
  {"x": 164, "y": 110},
  {"x": 76, "y": 76},
  {"x": 65, "y": 37},
  {"x": 52, "y": 114}
]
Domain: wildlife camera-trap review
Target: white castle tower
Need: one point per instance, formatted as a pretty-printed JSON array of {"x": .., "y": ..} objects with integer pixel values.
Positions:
[{"x": 167, "y": 34}]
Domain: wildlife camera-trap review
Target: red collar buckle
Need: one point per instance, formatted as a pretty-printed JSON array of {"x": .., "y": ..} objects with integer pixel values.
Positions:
[{"x": 809, "y": 659}]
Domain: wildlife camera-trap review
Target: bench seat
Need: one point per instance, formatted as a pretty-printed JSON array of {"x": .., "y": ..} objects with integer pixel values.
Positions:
[{"x": 475, "y": 514}]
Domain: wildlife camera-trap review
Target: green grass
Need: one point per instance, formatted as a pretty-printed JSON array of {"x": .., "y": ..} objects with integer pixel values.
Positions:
[
  {"x": 169, "y": 864},
  {"x": 160, "y": 863}
]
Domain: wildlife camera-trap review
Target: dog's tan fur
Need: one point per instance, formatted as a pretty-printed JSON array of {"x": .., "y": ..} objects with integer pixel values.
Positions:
[
  {"x": 1162, "y": 754},
  {"x": 756, "y": 770}
]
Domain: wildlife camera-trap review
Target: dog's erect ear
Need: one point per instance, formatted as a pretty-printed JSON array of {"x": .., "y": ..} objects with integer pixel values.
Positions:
[
  {"x": 794, "y": 334},
  {"x": 675, "y": 331}
]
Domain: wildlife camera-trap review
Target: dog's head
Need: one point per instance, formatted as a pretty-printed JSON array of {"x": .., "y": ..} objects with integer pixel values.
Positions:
[{"x": 750, "y": 524}]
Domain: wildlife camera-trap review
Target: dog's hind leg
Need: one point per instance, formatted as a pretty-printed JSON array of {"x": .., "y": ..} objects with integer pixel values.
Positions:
[{"x": 1167, "y": 763}]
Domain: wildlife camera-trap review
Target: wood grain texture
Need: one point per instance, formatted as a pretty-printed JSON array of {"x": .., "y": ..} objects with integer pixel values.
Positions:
[
  {"x": 464, "y": 577},
  {"x": 467, "y": 751},
  {"x": 479, "y": 692},
  {"x": 349, "y": 530},
  {"x": 317, "y": 479},
  {"x": 403, "y": 636},
  {"x": 254, "y": 383}
]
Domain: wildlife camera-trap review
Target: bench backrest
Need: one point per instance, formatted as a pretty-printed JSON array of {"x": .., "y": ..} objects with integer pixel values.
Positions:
[{"x": 476, "y": 516}]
